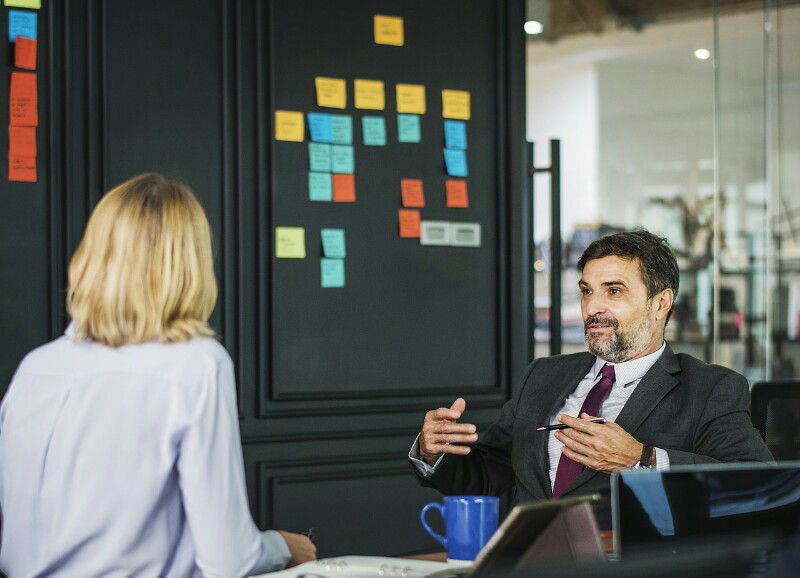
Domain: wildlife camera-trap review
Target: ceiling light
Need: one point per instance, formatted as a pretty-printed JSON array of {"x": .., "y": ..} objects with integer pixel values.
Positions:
[
  {"x": 534, "y": 27},
  {"x": 702, "y": 54}
]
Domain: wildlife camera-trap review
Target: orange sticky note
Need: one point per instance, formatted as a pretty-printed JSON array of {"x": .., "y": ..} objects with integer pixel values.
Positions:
[
  {"x": 409, "y": 223},
  {"x": 22, "y": 141},
  {"x": 22, "y": 169},
  {"x": 25, "y": 53},
  {"x": 344, "y": 188},
  {"x": 22, "y": 101},
  {"x": 456, "y": 193},
  {"x": 413, "y": 195}
]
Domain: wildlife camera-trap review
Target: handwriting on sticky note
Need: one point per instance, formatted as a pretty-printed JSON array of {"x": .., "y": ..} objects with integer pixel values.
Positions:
[
  {"x": 342, "y": 128},
  {"x": 455, "y": 134},
  {"x": 412, "y": 193},
  {"x": 408, "y": 129},
  {"x": 331, "y": 92},
  {"x": 333, "y": 245},
  {"x": 319, "y": 157},
  {"x": 25, "y": 53},
  {"x": 374, "y": 130},
  {"x": 22, "y": 169},
  {"x": 319, "y": 187},
  {"x": 289, "y": 126},
  {"x": 23, "y": 100},
  {"x": 290, "y": 242},
  {"x": 331, "y": 272},
  {"x": 455, "y": 104},
  {"x": 409, "y": 223},
  {"x": 456, "y": 192},
  {"x": 22, "y": 141},
  {"x": 370, "y": 94},
  {"x": 344, "y": 188},
  {"x": 342, "y": 159},
  {"x": 456, "y": 163},
  {"x": 410, "y": 98},
  {"x": 319, "y": 127},
  {"x": 21, "y": 24},
  {"x": 388, "y": 30}
]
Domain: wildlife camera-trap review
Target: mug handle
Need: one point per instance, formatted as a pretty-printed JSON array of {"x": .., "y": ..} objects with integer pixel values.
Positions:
[{"x": 424, "y": 511}]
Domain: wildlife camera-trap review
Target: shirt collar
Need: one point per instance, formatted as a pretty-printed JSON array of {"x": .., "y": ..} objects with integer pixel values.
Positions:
[{"x": 628, "y": 372}]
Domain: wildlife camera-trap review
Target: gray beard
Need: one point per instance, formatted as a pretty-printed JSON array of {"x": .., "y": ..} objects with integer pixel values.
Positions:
[{"x": 621, "y": 347}]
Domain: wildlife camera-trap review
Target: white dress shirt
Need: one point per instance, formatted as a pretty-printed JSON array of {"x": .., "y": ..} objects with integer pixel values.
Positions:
[
  {"x": 627, "y": 376},
  {"x": 127, "y": 462}
]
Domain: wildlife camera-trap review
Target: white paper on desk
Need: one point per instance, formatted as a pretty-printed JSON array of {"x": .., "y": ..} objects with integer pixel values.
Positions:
[
  {"x": 434, "y": 233},
  {"x": 360, "y": 567},
  {"x": 465, "y": 234}
]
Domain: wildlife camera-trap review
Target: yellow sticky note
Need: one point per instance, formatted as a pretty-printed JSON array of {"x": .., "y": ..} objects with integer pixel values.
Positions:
[
  {"x": 331, "y": 92},
  {"x": 289, "y": 125},
  {"x": 411, "y": 98},
  {"x": 290, "y": 242},
  {"x": 35, "y": 4},
  {"x": 369, "y": 94},
  {"x": 455, "y": 104},
  {"x": 389, "y": 30}
]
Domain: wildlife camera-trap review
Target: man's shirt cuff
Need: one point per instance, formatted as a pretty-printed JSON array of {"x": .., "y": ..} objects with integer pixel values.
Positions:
[
  {"x": 422, "y": 467},
  {"x": 662, "y": 460}
]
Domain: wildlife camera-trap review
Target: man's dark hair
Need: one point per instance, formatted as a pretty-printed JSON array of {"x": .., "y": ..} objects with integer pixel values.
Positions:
[{"x": 657, "y": 263}]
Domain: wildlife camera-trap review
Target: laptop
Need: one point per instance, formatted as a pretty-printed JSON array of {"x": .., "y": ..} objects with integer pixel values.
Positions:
[{"x": 686, "y": 503}]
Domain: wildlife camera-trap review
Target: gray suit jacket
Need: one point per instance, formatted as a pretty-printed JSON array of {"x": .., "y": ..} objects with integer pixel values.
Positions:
[{"x": 697, "y": 412}]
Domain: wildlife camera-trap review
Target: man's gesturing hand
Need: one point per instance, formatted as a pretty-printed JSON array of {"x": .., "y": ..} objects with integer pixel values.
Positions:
[{"x": 442, "y": 435}]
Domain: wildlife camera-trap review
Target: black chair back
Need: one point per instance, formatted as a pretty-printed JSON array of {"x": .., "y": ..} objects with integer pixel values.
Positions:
[{"x": 775, "y": 410}]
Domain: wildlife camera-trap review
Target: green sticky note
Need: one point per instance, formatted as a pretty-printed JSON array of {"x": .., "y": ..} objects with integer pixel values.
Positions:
[
  {"x": 331, "y": 272},
  {"x": 374, "y": 130},
  {"x": 333, "y": 245},
  {"x": 342, "y": 128},
  {"x": 290, "y": 242},
  {"x": 342, "y": 159},
  {"x": 320, "y": 187},
  {"x": 319, "y": 157},
  {"x": 408, "y": 128},
  {"x": 34, "y": 4}
]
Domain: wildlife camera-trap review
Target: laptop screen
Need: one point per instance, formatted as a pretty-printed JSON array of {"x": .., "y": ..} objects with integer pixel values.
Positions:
[{"x": 697, "y": 501}]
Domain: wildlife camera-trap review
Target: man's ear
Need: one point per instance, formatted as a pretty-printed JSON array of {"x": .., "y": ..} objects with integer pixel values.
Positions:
[{"x": 664, "y": 302}]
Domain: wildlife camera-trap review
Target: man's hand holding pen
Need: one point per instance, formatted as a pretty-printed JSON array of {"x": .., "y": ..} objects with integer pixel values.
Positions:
[{"x": 601, "y": 446}]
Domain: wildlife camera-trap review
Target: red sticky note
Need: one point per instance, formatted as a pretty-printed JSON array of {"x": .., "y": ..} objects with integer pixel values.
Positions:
[
  {"x": 413, "y": 195},
  {"x": 456, "y": 193},
  {"x": 25, "y": 53},
  {"x": 22, "y": 169},
  {"x": 23, "y": 101},
  {"x": 344, "y": 188},
  {"x": 22, "y": 141},
  {"x": 409, "y": 223}
]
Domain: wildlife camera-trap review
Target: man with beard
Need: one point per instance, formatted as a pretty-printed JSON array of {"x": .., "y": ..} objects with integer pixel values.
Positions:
[{"x": 661, "y": 409}]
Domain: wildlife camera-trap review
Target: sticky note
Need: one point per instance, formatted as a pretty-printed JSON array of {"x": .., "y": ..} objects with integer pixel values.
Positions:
[
  {"x": 410, "y": 98},
  {"x": 25, "y": 53},
  {"x": 408, "y": 128},
  {"x": 455, "y": 104},
  {"x": 342, "y": 159},
  {"x": 319, "y": 157},
  {"x": 344, "y": 188},
  {"x": 409, "y": 223},
  {"x": 331, "y": 272},
  {"x": 289, "y": 126},
  {"x": 21, "y": 24},
  {"x": 455, "y": 134},
  {"x": 333, "y": 245},
  {"x": 434, "y": 233},
  {"x": 412, "y": 193},
  {"x": 331, "y": 92},
  {"x": 319, "y": 127},
  {"x": 369, "y": 94},
  {"x": 21, "y": 169},
  {"x": 389, "y": 30},
  {"x": 456, "y": 163},
  {"x": 465, "y": 234},
  {"x": 374, "y": 130},
  {"x": 456, "y": 192},
  {"x": 22, "y": 141},
  {"x": 290, "y": 242},
  {"x": 23, "y": 100},
  {"x": 34, "y": 4},
  {"x": 342, "y": 128},
  {"x": 319, "y": 187}
]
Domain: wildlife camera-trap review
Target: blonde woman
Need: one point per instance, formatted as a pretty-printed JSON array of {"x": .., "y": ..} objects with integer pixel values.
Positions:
[{"x": 119, "y": 441}]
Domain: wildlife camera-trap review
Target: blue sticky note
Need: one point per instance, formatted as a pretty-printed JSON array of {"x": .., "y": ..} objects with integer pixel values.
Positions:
[
  {"x": 21, "y": 24},
  {"x": 320, "y": 187},
  {"x": 331, "y": 272},
  {"x": 319, "y": 157},
  {"x": 408, "y": 128},
  {"x": 342, "y": 157},
  {"x": 456, "y": 163},
  {"x": 455, "y": 134},
  {"x": 333, "y": 243},
  {"x": 374, "y": 129},
  {"x": 342, "y": 128},
  {"x": 319, "y": 127}
]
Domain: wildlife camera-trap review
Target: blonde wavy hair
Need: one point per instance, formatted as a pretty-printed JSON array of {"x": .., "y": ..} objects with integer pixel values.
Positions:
[{"x": 144, "y": 268}]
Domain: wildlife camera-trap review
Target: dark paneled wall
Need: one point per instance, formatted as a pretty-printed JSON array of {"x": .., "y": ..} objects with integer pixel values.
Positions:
[{"x": 183, "y": 87}]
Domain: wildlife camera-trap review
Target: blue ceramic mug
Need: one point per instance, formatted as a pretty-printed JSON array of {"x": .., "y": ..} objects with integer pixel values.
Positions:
[{"x": 469, "y": 522}]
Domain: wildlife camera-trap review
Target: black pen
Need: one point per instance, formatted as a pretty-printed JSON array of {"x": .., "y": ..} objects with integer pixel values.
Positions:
[{"x": 563, "y": 425}]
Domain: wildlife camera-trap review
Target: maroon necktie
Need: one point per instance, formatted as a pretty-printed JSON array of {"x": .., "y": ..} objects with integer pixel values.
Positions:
[{"x": 569, "y": 469}]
